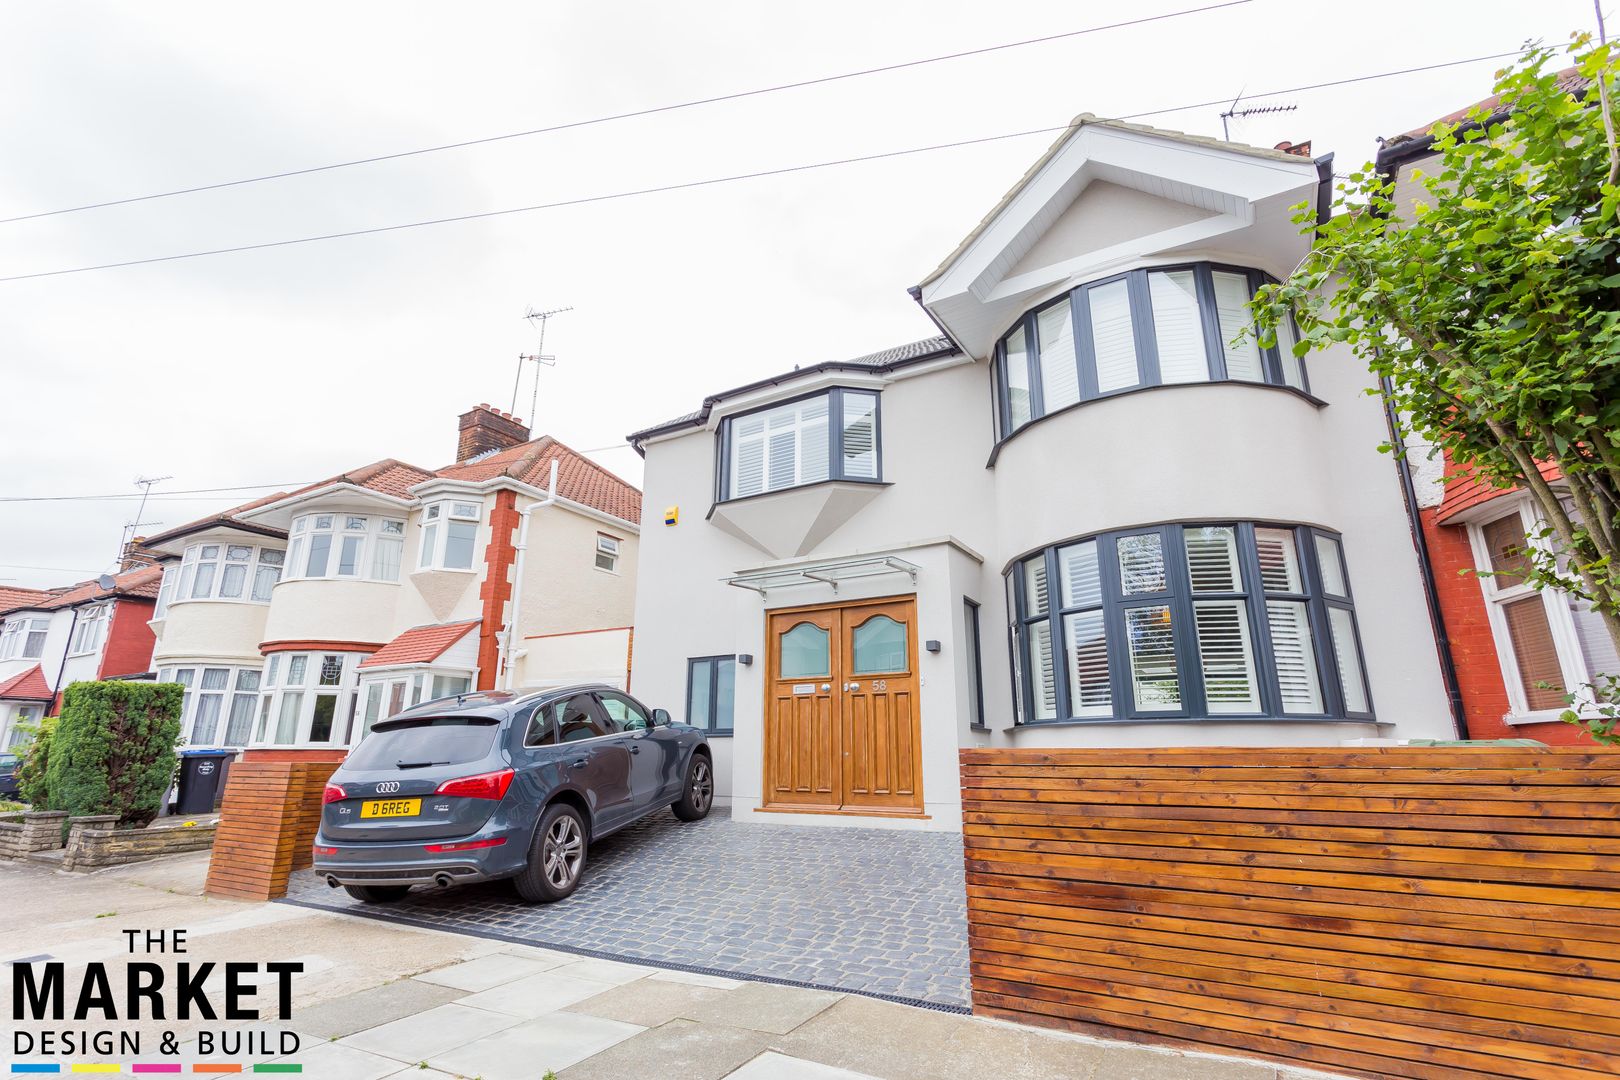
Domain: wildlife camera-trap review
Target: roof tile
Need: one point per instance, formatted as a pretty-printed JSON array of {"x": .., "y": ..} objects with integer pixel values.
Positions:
[
  {"x": 579, "y": 479},
  {"x": 27, "y": 686},
  {"x": 419, "y": 645}
]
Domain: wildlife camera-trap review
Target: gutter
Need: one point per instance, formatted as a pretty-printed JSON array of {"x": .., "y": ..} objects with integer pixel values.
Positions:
[{"x": 504, "y": 642}]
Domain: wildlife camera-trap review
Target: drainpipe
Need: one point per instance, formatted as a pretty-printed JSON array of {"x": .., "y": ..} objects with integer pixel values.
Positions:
[
  {"x": 522, "y": 545},
  {"x": 56, "y": 688}
]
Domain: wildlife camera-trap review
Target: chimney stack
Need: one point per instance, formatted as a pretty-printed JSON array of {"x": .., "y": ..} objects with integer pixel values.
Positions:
[
  {"x": 136, "y": 555},
  {"x": 485, "y": 428},
  {"x": 1297, "y": 149}
]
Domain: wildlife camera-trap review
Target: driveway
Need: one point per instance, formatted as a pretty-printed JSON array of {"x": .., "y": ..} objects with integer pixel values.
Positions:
[{"x": 879, "y": 912}]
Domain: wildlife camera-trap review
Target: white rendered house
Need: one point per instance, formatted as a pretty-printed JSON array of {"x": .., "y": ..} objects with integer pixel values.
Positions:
[{"x": 1087, "y": 514}]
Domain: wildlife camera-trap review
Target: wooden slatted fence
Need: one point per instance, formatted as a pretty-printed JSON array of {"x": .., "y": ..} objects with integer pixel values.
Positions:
[
  {"x": 1448, "y": 913},
  {"x": 268, "y": 821}
]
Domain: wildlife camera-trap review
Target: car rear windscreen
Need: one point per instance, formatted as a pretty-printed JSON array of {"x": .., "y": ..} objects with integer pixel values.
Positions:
[{"x": 418, "y": 744}]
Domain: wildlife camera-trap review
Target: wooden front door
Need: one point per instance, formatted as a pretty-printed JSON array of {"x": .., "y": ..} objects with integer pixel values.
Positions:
[{"x": 842, "y": 730}]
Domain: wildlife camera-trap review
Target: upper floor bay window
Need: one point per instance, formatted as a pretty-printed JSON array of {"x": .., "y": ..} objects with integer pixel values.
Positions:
[
  {"x": 449, "y": 535},
  {"x": 221, "y": 572},
  {"x": 24, "y": 637},
  {"x": 1143, "y": 328},
  {"x": 1187, "y": 621},
  {"x": 832, "y": 435},
  {"x": 345, "y": 546},
  {"x": 90, "y": 630}
]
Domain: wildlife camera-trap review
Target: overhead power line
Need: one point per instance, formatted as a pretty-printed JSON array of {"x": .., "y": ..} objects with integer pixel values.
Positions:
[
  {"x": 734, "y": 178},
  {"x": 650, "y": 111},
  {"x": 137, "y": 494}
]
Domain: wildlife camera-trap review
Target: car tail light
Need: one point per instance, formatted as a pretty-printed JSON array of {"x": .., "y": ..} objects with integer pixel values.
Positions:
[
  {"x": 326, "y": 851},
  {"x": 470, "y": 845},
  {"x": 333, "y": 793},
  {"x": 490, "y": 785}
]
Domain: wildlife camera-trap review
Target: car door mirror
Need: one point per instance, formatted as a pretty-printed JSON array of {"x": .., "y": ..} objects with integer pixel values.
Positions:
[{"x": 660, "y": 718}]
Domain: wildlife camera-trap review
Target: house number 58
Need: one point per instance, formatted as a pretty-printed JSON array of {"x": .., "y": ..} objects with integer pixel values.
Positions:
[{"x": 879, "y": 685}]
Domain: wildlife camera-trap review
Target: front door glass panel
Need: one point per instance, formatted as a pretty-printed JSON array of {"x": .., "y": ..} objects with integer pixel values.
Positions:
[
  {"x": 805, "y": 653},
  {"x": 879, "y": 646}
]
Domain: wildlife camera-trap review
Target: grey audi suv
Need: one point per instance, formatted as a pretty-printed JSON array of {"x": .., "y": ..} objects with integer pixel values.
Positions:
[{"x": 503, "y": 784}]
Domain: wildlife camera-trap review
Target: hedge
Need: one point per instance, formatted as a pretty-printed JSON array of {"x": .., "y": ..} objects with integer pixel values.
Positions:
[
  {"x": 113, "y": 749},
  {"x": 36, "y": 756}
]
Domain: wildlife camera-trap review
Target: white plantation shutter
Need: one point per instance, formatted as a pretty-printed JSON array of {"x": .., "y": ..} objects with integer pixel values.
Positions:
[
  {"x": 1178, "y": 328},
  {"x": 1113, "y": 336},
  {"x": 1016, "y": 361},
  {"x": 1279, "y": 560},
  {"x": 1040, "y": 659},
  {"x": 1035, "y": 586},
  {"x": 1342, "y": 626},
  {"x": 1151, "y": 637},
  {"x": 747, "y": 467},
  {"x": 860, "y": 436},
  {"x": 1082, "y": 581},
  {"x": 1060, "y": 375},
  {"x": 1329, "y": 560},
  {"x": 1212, "y": 559},
  {"x": 814, "y": 453},
  {"x": 1089, "y": 690},
  {"x": 1226, "y": 656},
  {"x": 1291, "y": 647},
  {"x": 1232, "y": 306}
]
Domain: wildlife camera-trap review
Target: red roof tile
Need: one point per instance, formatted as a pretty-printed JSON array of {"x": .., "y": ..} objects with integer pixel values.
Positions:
[
  {"x": 1466, "y": 489},
  {"x": 12, "y": 598},
  {"x": 28, "y": 686},
  {"x": 419, "y": 645},
  {"x": 579, "y": 479},
  {"x": 388, "y": 477},
  {"x": 142, "y": 583}
]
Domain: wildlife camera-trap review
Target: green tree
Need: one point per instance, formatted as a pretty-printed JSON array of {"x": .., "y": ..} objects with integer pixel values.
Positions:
[
  {"x": 113, "y": 749},
  {"x": 34, "y": 756},
  {"x": 1488, "y": 303}
]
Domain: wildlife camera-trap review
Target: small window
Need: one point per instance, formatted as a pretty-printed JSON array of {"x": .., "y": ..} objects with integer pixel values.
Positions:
[
  {"x": 607, "y": 552},
  {"x": 449, "y": 536},
  {"x": 834, "y": 435},
  {"x": 974, "y": 655},
  {"x": 711, "y": 685}
]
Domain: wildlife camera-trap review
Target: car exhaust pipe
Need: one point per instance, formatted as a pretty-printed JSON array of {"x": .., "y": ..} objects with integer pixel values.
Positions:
[
  {"x": 443, "y": 880},
  {"x": 331, "y": 881}
]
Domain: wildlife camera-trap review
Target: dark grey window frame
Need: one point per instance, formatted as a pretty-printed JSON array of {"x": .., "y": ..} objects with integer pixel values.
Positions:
[
  {"x": 1147, "y": 350},
  {"x": 1179, "y": 597},
  {"x": 835, "y": 442},
  {"x": 713, "y": 676},
  {"x": 972, "y": 628}
]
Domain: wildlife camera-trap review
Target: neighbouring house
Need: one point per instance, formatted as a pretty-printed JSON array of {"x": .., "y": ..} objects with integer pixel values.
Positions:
[
  {"x": 299, "y": 620},
  {"x": 52, "y": 637},
  {"x": 1087, "y": 514},
  {"x": 1516, "y": 652}
]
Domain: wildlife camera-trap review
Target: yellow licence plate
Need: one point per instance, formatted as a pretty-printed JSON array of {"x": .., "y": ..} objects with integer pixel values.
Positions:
[{"x": 390, "y": 808}]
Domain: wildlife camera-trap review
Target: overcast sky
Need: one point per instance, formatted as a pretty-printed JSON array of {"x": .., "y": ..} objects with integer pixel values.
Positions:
[{"x": 285, "y": 366}]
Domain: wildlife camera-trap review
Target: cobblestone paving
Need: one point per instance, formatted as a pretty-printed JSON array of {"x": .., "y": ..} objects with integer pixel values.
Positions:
[{"x": 875, "y": 911}]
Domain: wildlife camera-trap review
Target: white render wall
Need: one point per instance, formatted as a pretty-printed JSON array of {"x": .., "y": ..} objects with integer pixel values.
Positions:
[{"x": 210, "y": 631}]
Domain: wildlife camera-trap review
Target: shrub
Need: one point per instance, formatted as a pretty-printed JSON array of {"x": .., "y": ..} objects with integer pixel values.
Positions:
[
  {"x": 35, "y": 758},
  {"x": 113, "y": 749}
]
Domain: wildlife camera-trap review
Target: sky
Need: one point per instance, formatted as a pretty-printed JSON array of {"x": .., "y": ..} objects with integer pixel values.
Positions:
[{"x": 266, "y": 369}]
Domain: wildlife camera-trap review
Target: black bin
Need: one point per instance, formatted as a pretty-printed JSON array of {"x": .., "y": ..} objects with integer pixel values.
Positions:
[{"x": 202, "y": 776}]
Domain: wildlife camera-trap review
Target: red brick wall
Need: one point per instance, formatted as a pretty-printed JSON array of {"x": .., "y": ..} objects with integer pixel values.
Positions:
[
  {"x": 496, "y": 589},
  {"x": 1473, "y": 648},
  {"x": 129, "y": 640}
]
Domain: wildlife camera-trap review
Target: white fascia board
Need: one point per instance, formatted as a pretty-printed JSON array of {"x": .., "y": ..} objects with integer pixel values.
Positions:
[{"x": 331, "y": 492}]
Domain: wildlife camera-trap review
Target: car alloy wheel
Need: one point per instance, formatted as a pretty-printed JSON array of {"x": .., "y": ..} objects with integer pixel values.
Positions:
[
  {"x": 702, "y": 786},
  {"x": 563, "y": 852}
]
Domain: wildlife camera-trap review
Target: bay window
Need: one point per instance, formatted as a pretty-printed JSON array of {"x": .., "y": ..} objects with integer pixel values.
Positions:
[
  {"x": 449, "y": 535},
  {"x": 1157, "y": 327},
  {"x": 832, "y": 435},
  {"x": 219, "y": 571},
  {"x": 24, "y": 637},
  {"x": 389, "y": 692},
  {"x": 1222, "y": 620},
  {"x": 306, "y": 699},
  {"x": 335, "y": 545}
]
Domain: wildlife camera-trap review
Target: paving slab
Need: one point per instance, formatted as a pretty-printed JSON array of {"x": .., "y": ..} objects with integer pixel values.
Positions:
[
  {"x": 763, "y": 1007},
  {"x": 526, "y": 1051},
  {"x": 678, "y": 1050},
  {"x": 536, "y": 995},
  {"x": 692, "y": 978},
  {"x": 773, "y": 1066},
  {"x": 335, "y": 1061},
  {"x": 373, "y": 1008},
  {"x": 650, "y": 1004},
  {"x": 607, "y": 971},
  {"x": 417, "y": 1038},
  {"x": 487, "y": 971}
]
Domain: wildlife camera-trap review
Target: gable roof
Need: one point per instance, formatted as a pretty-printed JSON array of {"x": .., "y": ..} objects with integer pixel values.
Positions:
[
  {"x": 579, "y": 479},
  {"x": 26, "y": 686},
  {"x": 419, "y": 645},
  {"x": 139, "y": 584},
  {"x": 884, "y": 360},
  {"x": 13, "y": 598}
]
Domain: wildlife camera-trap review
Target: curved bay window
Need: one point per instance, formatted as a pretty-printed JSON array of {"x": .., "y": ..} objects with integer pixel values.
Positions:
[
  {"x": 1187, "y": 622},
  {"x": 1174, "y": 324}
]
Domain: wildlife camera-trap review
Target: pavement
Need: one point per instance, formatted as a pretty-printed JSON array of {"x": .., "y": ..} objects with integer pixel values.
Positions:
[
  {"x": 881, "y": 911},
  {"x": 383, "y": 999}
]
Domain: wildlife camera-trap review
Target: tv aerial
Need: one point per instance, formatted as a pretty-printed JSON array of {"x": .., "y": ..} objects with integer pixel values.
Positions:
[{"x": 539, "y": 358}]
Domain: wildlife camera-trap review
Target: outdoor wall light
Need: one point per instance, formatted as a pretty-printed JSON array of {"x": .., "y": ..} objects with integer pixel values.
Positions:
[
  {"x": 745, "y": 659},
  {"x": 932, "y": 645}
]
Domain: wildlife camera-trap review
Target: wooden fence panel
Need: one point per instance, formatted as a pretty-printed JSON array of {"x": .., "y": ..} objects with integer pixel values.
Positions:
[
  {"x": 1435, "y": 913},
  {"x": 267, "y": 827}
]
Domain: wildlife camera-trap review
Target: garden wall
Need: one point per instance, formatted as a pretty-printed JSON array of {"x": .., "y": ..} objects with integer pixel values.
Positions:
[{"x": 1436, "y": 913}]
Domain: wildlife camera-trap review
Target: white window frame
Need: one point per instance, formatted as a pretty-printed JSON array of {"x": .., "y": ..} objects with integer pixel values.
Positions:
[
  {"x": 25, "y": 714},
  {"x": 368, "y": 531},
  {"x": 434, "y": 541},
  {"x": 607, "y": 547},
  {"x": 18, "y": 630},
  {"x": 379, "y": 689},
  {"x": 180, "y": 580},
  {"x": 92, "y": 624},
  {"x": 277, "y": 682},
  {"x": 1499, "y": 591}
]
